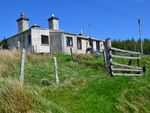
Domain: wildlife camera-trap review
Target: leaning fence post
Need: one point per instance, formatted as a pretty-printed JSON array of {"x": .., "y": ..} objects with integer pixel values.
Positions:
[
  {"x": 104, "y": 57},
  {"x": 22, "y": 65},
  {"x": 105, "y": 54},
  {"x": 71, "y": 54},
  {"x": 108, "y": 54},
  {"x": 56, "y": 70}
]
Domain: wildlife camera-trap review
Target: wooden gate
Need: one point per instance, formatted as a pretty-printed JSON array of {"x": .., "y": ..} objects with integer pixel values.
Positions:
[{"x": 120, "y": 69}]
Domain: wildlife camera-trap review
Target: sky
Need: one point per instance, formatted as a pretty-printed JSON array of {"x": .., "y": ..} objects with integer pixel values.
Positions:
[{"x": 116, "y": 19}]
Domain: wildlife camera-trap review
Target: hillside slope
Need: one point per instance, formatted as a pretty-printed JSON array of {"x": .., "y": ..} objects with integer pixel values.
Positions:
[{"x": 84, "y": 86}]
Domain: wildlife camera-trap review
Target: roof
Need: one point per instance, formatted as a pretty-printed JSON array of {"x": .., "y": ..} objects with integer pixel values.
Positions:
[
  {"x": 66, "y": 33},
  {"x": 16, "y": 34},
  {"x": 35, "y": 26},
  {"x": 87, "y": 38},
  {"x": 32, "y": 27},
  {"x": 83, "y": 36}
]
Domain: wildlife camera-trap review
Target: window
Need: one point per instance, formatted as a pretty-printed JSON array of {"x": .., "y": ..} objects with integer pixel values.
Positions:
[
  {"x": 69, "y": 41},
  {"x": 91, "y": 42},
  {"x": 44, "y": 39},
  {"x": 79, "y": 43},
  {"x": 97, "y": 45}
]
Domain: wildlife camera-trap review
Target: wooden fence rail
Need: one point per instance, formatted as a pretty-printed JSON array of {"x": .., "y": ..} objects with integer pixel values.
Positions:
[
  {"x": 126, "y": 66},
  {"x": 125, "y": 74},
  {"x": 124, "y": 57},
  {"x": 123, "y": 69},
  {"x": 125, "y": 51}
]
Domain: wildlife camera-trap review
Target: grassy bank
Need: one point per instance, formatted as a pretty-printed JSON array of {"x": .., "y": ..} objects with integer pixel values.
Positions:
[{"x": 84, "y": 86}]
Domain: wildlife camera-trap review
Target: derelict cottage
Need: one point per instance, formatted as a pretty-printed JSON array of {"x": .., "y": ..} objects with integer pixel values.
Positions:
[{"x": 51, "y": 39}]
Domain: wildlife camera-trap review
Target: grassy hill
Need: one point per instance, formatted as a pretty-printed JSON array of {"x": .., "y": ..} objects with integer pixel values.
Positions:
[{"x": 84, "y": 86}]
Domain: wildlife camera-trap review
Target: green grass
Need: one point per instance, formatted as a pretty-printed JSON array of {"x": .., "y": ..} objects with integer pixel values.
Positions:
[{"x": 84, "y": 87}]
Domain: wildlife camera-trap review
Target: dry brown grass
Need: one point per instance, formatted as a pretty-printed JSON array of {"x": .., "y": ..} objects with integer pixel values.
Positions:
[
  {"x": 7, "y": 60},
  {"x": 37, "y": 57},
  {"x": 14, "y": 99},
  {"x": 83, "y": 56}
]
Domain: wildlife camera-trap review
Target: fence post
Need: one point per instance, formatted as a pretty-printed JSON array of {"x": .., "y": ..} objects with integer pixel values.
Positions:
[
  {"x": 71, "y": 54},
  {"x": 108, "y": 55},
  {"x": 56, "y": 70},
  {"x": 104, "y": 57},
  {"x": 18, "y": 46},
  {"x": 22, "y": 65}
]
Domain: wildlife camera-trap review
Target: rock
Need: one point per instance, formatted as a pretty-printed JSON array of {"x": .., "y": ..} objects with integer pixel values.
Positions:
[{"x": 46, "y": 82}]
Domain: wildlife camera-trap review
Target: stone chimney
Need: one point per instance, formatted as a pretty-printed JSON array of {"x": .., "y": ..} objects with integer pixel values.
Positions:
[
  {"x": 22, "y": 23},
  {"x": 53, "y": 23}
]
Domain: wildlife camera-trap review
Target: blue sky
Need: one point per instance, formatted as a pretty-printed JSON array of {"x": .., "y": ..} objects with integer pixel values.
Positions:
[{"x": 108, "y": 18}]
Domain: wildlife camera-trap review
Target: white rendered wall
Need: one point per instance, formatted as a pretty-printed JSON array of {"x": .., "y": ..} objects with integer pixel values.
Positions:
[{"x": 37, "y": 46}]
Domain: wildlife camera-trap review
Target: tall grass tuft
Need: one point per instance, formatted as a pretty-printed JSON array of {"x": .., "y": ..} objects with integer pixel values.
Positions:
[
  {"x": 135, "y": 100},
  {"x": 7, "y": 60},
  {"x": 14, "y": 99}
]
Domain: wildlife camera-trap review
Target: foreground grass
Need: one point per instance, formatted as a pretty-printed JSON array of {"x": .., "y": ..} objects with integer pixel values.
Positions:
[{"x": 84, "y": 88}]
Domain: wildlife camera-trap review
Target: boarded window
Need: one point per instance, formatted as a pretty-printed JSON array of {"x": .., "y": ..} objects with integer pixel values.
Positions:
[
  {"x": 44, "y": 39},
  {"x": 29, "y": 39},
  {"x": 69, "y": 41},
  {"x": 79, "y": 43},
  {"x": 97, "y": 45}
]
